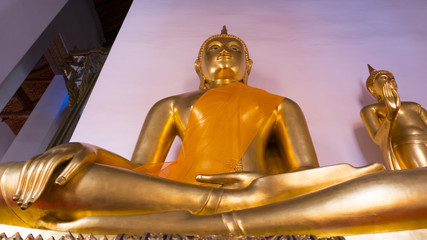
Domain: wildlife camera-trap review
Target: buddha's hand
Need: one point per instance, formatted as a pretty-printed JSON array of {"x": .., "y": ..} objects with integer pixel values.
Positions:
[
  {"x": 391, "y": 100},
  {"x": 37, "y": 171},
  {"x": 238, "y": 180}
]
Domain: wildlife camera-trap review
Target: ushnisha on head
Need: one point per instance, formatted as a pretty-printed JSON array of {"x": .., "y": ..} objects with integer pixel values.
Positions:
[
  {"x": 222, "y": 59},
  {"x": 376, "y": 81}
]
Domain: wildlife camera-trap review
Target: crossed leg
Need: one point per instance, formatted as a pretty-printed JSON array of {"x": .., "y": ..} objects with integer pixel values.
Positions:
[
  {"x": 378, "y": 202},
  {"x": 100, "y": 190}
]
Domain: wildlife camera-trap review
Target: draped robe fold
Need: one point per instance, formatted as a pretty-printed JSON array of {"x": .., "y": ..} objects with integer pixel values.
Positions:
[{"x": 222, "y": 124}]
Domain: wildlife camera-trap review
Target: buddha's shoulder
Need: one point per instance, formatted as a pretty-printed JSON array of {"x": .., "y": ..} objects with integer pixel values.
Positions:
[
  {"x": 288, "y": 103},
  {"x": 188, "y": 98}
]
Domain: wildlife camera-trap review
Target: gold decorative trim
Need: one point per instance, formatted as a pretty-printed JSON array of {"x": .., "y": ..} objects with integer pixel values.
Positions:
[
  {"x": 161, "y": 236},
  {"x": 8, "y": 232}
]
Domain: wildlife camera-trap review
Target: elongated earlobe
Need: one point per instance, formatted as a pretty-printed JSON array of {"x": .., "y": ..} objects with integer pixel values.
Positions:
[
  {"x": 249, "y": 63},
  {"x": 200, "y": 74},
  {"x": 197, "y": 66}
]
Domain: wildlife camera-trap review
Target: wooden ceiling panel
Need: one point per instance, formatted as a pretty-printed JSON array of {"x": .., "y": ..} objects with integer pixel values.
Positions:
[{"x": 34, "y": 90}]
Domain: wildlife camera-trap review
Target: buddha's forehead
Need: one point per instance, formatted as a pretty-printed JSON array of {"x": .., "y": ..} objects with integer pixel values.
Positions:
[{"x": 222, "y": 40}]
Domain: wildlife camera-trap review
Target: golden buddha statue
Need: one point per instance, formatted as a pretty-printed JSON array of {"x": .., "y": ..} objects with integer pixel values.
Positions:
[
  {"x": 251, "y": 152},
  {"x": 399, "y": 128}
]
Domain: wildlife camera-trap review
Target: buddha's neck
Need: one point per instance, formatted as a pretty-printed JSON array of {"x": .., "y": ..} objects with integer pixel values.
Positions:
[{"x": 221, "y": 82}]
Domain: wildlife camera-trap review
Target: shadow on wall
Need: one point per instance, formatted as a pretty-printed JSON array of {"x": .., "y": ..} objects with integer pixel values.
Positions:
[{"x": 370, "y": 151}]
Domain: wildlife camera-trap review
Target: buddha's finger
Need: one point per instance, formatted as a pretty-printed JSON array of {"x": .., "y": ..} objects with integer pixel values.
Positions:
[
  {"x": 23, "y": 175},
  {"x": 395, "y": 94},
  {"x": 387, "y": 91},
  {"x": 26, "y": 191},
  {"x": 32, "y": 184},
  {"x": 46, "y": 172},
  {"x": 388, "y": 94},
  {"x": 47, "y": 162},
  {"x": 79, "y": 160}
]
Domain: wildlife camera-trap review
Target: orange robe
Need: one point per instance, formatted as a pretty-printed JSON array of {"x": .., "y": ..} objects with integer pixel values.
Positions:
[{"x": 221, "y": 126}]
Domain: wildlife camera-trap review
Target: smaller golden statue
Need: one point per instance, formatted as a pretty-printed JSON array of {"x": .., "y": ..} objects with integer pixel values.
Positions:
[{"x": 399, "y": 128}]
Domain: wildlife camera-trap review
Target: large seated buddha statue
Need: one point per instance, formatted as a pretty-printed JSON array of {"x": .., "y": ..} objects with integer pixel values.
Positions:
[{"x": 246, "y": 166}]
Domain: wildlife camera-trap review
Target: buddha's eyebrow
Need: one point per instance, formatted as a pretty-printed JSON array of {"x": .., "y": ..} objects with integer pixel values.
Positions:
[
  {"x": 214, "y": 43},
  {"x": 234, "y": 43}
]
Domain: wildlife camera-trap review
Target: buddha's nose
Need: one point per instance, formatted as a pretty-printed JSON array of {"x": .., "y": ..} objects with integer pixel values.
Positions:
[{"x": 224, "y": 53}]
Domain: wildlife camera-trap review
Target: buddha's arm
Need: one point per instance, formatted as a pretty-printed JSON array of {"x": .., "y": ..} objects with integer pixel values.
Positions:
[
  {"x": 157, "y": 134},
  {"x": 293, "y": 137},
  {"x": 376, "y": 122},
  {"x": 386, "y": 110}
]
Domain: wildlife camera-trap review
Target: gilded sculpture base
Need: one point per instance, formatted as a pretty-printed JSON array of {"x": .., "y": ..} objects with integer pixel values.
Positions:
[{"x": 8, "y": 232}]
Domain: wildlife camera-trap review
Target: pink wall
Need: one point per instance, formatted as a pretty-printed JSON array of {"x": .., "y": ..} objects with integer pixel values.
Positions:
[{"x": 314, "y": 52}]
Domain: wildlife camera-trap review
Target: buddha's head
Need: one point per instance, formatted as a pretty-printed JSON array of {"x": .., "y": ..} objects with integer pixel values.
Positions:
[
  {"x": 376, "y": 81},
  {"x": 223, "y": 59}
]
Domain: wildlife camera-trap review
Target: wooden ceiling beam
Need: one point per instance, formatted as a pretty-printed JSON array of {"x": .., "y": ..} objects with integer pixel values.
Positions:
[
  {"x": 22, "y": 114},
  {"x": 38, "y": 80},
  {"x": 24, "y": 99}
]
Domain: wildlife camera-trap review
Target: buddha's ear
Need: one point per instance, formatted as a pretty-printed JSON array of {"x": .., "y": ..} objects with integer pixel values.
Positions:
[
  {"x": 200, "y": 74},
  {"x": 249, "y": 63},
  {"x": 197, "y": 66}
]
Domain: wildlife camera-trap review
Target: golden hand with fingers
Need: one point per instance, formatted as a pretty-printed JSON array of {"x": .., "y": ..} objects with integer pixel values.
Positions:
[{"x": 247, "y": 165}]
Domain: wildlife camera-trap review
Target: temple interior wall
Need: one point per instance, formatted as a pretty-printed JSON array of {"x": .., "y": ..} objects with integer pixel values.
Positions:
[{"x": 314, "y": 52}]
